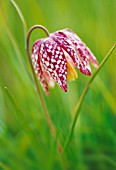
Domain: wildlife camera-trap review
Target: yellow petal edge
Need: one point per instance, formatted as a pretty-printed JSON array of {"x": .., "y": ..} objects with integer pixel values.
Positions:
[{"x": 72, "y": 74}]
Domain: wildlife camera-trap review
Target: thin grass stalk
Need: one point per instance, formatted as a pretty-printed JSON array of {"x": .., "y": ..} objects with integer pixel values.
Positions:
[
  {"x": 79, "y": 104},
  {"x": 22, "y": 19},
  {"x": 23, "y": 121}
]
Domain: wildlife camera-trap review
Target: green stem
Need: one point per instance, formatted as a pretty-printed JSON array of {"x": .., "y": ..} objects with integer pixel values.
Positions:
[
  {"x": 27, "y": 39},
  {"x": 35, "y": 79},
  {"x": 37, "y": 87},
  {"x": 78, "y": 105},
  {"x": 22, "y": 19}
]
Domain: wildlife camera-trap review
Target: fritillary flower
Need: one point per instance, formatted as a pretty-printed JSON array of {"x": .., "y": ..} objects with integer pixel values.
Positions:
[{"x": 55, "y": 58}]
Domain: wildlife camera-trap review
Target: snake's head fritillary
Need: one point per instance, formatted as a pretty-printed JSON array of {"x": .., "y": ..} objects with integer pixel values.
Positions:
[{"x": 55, "y": 58}]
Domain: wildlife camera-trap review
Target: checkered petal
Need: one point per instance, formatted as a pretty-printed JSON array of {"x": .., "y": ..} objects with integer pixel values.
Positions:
[
  {"x": 77, "y": 56},
  {"x": 54, "y": 61},
  {"x": 81, "y": 47},
  {"x": 39, "y": 69}
]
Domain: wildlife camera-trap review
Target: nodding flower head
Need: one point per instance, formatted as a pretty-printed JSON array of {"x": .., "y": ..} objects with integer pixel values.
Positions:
[{"x": 55, "y": 58}]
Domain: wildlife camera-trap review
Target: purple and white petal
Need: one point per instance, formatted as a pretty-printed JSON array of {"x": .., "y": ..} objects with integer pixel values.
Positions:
[
  {"x": 82, "y": 46},
  {"x": 77, "y": 56},
  {"x": 54, "y": 62},
  {"x": 36, "y": 60}
]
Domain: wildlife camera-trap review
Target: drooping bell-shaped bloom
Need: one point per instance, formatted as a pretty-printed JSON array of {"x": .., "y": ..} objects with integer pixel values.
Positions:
[{"x": 55, "y": 58}]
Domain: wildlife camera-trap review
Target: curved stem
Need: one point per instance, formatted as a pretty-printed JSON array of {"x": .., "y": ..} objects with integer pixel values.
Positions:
[
  {"x": 34, "y": 27},
  {"x": 29, "y": 57},
  {"x": 36, "y": 84},
  {"x": 78, "y": 106}
]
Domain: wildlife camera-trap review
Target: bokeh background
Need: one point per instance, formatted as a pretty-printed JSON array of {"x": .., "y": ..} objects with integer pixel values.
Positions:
[{"x": 25, "y": 138}]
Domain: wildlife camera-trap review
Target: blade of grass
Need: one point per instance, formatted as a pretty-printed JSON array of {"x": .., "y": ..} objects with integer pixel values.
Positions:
[
  {"x": 22, "y": 19},
  {"x": 78, "y": 105},
  {"x": 15, "y": 45},
  {"x": 23, "y": 120},
  {"x": 26, "y": 127},
  {"x": 3, "y": 166}
]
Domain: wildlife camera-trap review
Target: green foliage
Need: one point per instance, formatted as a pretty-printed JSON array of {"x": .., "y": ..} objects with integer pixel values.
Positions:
[{"x": 25, "y": 138}]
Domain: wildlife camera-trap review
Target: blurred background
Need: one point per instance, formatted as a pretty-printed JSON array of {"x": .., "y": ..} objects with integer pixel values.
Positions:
[{"x": 25, "y": 139}]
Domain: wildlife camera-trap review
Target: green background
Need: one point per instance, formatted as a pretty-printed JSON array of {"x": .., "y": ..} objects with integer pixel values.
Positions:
[{"x": 25, "y": 138}]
